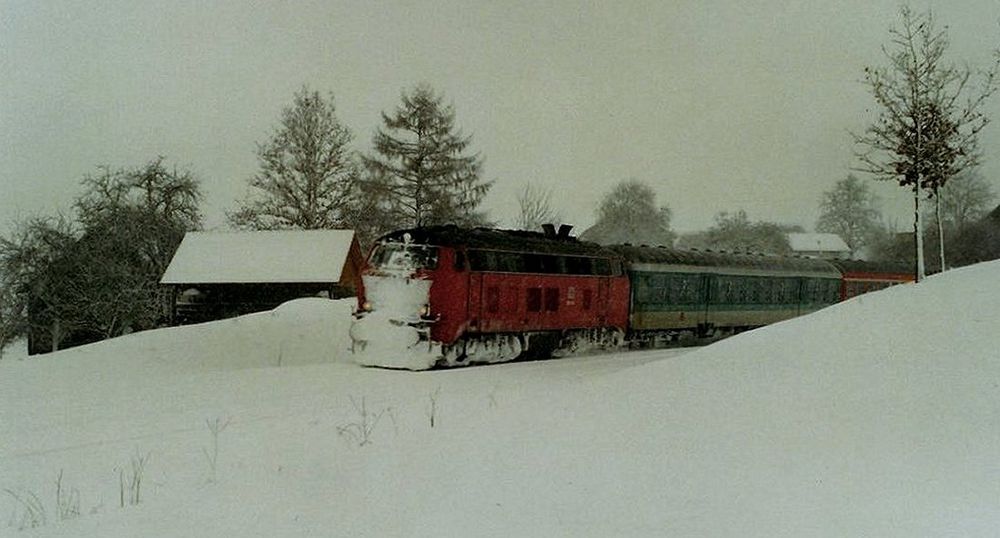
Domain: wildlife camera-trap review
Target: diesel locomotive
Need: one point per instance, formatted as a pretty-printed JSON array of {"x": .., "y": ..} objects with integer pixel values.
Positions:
[{"x": 449, "y": 296}]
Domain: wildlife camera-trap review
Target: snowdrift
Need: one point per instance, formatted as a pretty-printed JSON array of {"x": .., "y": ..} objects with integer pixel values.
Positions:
[
  {"x": 303, "y": 331},
  {"x": 875, "y": 417}
]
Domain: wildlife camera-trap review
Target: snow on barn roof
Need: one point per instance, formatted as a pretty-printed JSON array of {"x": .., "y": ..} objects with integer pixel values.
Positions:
[
  {"x": 801, "y": 242},
  {"x": 293, "y": 256}
]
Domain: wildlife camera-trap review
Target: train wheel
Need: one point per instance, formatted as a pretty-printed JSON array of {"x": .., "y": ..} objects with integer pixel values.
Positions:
[{"x": 510, "y": 347}]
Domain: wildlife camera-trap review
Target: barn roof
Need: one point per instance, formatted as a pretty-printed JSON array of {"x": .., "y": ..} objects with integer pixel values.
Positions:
[
  {"x": 292, "y": 256},
  {"x": 821, "y": 242}
]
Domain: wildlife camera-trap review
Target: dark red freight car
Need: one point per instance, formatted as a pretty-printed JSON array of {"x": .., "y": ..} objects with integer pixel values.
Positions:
[
  {"x": 447, "y": 295},
  {"x": 858, "y": 276}
]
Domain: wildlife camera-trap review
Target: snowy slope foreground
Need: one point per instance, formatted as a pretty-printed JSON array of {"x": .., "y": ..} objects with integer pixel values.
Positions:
[{"x": 875, "y": 417}]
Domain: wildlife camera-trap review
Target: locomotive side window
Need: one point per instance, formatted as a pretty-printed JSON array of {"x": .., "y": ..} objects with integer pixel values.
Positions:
[
  {"x": 551, "y": 299},
  {"x": 549, "y": 264},
  {"x": 578, "y": 265},
  {"x": 510, "y": 262},
  {"x": 459, "y": 260},
  {"x": 602, "y": 266},
  {"x": 400, "y": 256},
  {"x": 534, "y": 299}
]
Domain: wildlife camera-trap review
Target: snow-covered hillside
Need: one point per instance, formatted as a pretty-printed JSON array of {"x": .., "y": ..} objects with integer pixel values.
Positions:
[{"x": 875, "y": 417}]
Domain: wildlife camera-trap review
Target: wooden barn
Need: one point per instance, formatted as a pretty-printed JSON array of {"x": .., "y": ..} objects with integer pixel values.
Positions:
[{"x": 216, "y": 275}]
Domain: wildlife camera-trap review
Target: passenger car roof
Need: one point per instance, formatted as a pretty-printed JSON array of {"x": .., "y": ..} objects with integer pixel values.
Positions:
[{"x": 706, "y": 258}]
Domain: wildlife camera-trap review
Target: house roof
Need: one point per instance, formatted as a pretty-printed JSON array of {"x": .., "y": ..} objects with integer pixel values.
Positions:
[
  {"x": 806, "y": 242},
  {"x": 293, "y": 256}
]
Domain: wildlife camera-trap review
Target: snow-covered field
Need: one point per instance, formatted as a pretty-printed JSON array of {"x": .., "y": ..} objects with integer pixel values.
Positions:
[{"x": 876, "y": 417}]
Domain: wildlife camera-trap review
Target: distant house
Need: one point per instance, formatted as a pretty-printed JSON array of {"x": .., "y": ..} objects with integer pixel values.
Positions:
[
  {"x": 215, "y": 275},
  {"x": 818, "y": 245}
]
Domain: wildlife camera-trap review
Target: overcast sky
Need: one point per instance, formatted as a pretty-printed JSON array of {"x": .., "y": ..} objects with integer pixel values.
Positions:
[{"x": 718, "y": 105}]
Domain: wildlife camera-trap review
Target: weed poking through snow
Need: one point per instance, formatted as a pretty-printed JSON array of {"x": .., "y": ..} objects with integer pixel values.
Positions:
[
  {"x": 29, "y": 512},
  {"x": 432, "y": 406},
  {"x": 130, "y": 480},
  {"x": 215, "y": 427},
  {"x": 360, "y": 431},
  {"x": 67, "y": 501}
]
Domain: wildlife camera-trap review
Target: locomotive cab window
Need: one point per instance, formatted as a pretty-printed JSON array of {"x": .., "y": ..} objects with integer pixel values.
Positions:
[{"x": 404, "y": 256}]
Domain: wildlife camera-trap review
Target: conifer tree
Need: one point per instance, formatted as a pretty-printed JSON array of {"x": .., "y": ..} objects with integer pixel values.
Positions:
[{"x": 420, "y": 166}]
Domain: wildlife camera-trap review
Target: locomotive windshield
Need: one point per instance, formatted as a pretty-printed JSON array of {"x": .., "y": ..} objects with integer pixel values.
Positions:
[{"x": 398, "y": 256}]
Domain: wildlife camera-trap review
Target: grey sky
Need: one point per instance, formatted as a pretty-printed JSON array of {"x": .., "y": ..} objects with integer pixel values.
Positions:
[{"x": 719, "y": 105}]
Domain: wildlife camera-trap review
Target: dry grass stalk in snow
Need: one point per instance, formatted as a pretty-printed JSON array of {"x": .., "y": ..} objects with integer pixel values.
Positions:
[
  {"x": 130, "y": 487},
  {"x": 360, "y": 431}
]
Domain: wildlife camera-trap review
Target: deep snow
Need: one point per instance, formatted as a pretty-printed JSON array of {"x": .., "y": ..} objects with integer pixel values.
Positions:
[{"x": 875, "y": 417}]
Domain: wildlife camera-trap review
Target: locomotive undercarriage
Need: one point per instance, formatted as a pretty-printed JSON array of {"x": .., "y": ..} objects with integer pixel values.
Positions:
[{"x": 495, "y": 348}]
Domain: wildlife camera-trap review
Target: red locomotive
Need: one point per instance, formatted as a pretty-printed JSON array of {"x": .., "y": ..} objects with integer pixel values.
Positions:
[{"x": 486, "y": 295}]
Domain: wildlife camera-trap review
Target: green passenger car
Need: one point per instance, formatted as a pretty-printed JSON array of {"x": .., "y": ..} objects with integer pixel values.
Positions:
[{"x": 675, "y": 290}]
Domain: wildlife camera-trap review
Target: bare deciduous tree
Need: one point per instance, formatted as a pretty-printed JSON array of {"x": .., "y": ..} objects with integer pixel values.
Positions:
[
  {"x": 535, "y": 206},
  {"x": 929, "y": 117},
  {"x": 965, "y": 199},
  {"x": 629, "y": 214},
  {"x": 307, "y": 172},
  {"x": 736, "y": 232},
  {"x": 850, "y": 211},
  {"x": 98, "y": 277}
]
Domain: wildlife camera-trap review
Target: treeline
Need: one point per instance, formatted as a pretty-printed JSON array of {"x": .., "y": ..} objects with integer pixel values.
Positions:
[{"x": 94, "y": 273}]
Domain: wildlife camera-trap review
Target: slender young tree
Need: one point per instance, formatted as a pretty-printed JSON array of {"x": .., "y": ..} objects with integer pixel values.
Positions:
[
  {"x": 420, "y": 167},
  {"x": 929, "y": 115},
  {"x": 850, "y": 211},
  {"x": 535, "y": 206},
  {"x": 966, "y": 199},
  {"x": 306, "y": 172}
]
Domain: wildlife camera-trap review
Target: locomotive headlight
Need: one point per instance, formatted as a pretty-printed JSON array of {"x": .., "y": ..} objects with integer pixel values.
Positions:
[
  {"x": 367, "y": 306},
  {"x": 425, "y": 311}
]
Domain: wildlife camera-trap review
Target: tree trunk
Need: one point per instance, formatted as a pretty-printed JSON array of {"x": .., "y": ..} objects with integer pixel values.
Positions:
[
  {"x": 940, "y": 225},
  {"x": 918, "y": 236},
  {"x": 56, "y": 334}
]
